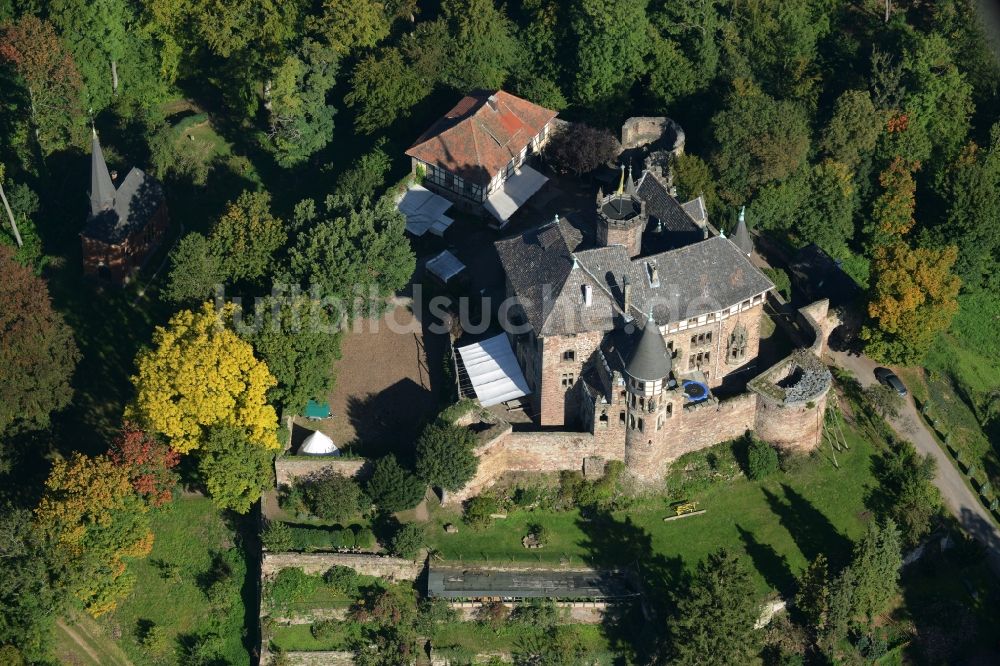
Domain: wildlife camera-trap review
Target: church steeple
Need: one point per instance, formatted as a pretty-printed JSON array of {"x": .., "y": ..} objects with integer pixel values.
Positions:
[{"x": 102, "y": 190}]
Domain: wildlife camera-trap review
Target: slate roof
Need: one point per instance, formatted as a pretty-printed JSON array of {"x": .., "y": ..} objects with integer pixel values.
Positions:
[
  {"x": 459, "y": 583},
  {"x": 475, "y": 141},
  {"x": 648, "y": 358},
  {"x": 697, "y": 279},
  {"x": 741, "y": 237},
  {"x": 663, "y": 207},
  {"x": 102, "y": 190},
  {"x": 136, "y": 200},
  {"x": 696, "y": 210}
]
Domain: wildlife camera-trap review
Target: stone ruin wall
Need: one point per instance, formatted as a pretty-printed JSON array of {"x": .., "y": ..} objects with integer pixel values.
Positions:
[
  {"x": 287, "y": 469},
  {"x": 392, "y": 568},
  {"x": 643, "y": 130}
]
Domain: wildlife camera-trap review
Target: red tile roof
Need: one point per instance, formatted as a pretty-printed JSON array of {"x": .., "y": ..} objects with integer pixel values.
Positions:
[{"x": 475, "y": 140}]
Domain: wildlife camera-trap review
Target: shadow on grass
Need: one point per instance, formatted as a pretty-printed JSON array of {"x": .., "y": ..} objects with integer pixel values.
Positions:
[
  {"x": 811, "y": 530},
  {"x": 635, "y": 629},
  {"x": 772, "y": 566},
  {"x": 390, "y": 420}
]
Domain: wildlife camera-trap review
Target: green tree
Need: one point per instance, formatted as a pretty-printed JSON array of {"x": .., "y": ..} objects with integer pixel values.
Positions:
[
  {"x": 392, "y": 488},
  {"x": 812, "y": 601},
  {"x": 717, "y": 613},
  {"x": 24, "y": 205},
  {"x": 383, "y": 89},
  {"x": 234, "y": 469},
  {"x": 445, "y": 457},
  {"x": 113, "y": 52},
  {"x": 827, "y": 217},
  {"x": 247, "y": 236},
  {"x": 28, "y": 600},
  {"x": 853, "y": 130},
  {"x": 358, "y": 258},
  {"x": 50, "y": 75},
  {"x": 609, "y": 48},
  {"x": 407, "y": 540},
  {"x": 841, "y": 609},
  {"x": 482, "y": 49},
  {"x": 301, "y": 120},
  {"x": 37, "y": 351},
  {"x": 760, "y": 140},
  {"x": 970, "y": 189},
  {"x": 580, "y": 148},
  {"x": 299, "y": 341},
  {"x": 195, "y": 270},
  {"x": 892, "y": 211},
  {"x": 876, "y": 565},
  {"x": 906, "y": 492},
  {"x": 350, "y": 24},
  {"x": 693, "y": 179},
  {"x": 333, "y": 497},
  {"x": 366, "y": 177}
]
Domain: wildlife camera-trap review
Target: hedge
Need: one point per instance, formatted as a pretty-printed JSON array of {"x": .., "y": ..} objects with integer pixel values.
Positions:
[{"x": 309, "y": 539}]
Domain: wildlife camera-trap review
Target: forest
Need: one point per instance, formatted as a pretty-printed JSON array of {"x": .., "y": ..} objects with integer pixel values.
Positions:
[{"x": 868, "y": 127}]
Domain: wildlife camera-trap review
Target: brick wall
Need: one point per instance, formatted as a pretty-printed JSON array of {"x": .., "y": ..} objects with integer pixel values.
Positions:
[
  {"x": 124, "y": 258},
  {"x": 286, "y": 469},
  {"x": 552, "y": 394},
  {"x": 720, "y": 329}
]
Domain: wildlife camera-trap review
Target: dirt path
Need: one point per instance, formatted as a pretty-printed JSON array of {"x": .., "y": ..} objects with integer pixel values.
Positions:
[
  {"x": 85, "y": 634},
  {"x": 960, "y": 500}
]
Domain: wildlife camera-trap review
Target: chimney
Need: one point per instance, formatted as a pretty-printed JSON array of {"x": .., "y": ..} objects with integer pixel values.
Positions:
[
  {"x": 588, "y": 295},
  {"x": 492, "y": 102},
  {"x": 626, "y": 294}
]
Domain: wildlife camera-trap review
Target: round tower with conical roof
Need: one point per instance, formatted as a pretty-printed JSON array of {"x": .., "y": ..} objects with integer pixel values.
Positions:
[{"x": 647, "y": 373}]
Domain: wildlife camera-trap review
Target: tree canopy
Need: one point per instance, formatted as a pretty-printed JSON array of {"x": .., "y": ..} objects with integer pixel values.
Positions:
[
  {"x": 199, "y": 374},
  {"x": 37, "y": 350}
]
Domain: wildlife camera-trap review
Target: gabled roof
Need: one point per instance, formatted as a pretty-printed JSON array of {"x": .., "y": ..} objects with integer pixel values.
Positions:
[
  {"x": 696, "y": 210},
  {"x": 662, "y": 206},
  {"x": 136, "y": 200},
  {"x": 481, "y": 134},
  {"x": 697, "y": 279},
  {"x": 102, "y": 190}
]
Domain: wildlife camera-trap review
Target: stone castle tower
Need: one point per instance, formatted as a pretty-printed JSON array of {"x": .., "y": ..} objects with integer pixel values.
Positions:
[
  {"x": 622, "y": 217},
  {"x": 647, "y": 374}
]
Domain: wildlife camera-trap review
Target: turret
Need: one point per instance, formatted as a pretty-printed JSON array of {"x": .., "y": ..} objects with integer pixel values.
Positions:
[
  {"x": 621, "y": 217},
  {"x": 102, "y": 189},
  {"x": 647, "y": 372}
]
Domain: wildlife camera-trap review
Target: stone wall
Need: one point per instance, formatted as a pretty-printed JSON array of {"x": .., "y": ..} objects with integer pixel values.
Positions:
[
  {"x": 328, "y": 658},
  {"x": 553, "y": 394},
  {"x": 577, "y": 612},
  {"x": 545, "y": 451},
  {"x": 791, "y": 427},
  {"x": 717, "y": 367},
  {"x": 643, "y": 130},
  {"x": 392, "y": 568},
  {"x": 818, "y": 318},
  {"x": 287, "y": 469}
]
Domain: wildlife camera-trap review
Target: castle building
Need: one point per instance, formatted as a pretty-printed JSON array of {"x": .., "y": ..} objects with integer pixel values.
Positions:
[
  {"x": 630, "y": 343},
  {"x": 126, "y": 223},
  {"x": 476, "y": 154}
]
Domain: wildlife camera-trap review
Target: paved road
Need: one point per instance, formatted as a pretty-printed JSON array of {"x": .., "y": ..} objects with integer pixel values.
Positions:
[{"x": 961, "y": 501}]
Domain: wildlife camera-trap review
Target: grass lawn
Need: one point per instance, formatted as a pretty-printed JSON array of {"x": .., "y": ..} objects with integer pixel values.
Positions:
[
  {"x": 781, "y": 522},
  {"x": 77, "y": 639},
  {"x": 299, "y": 637},
  {"x": 169, "y": 591}
]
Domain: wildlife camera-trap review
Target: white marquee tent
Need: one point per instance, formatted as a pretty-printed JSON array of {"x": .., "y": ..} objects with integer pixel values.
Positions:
[
  {"x": 445, "y": 266},
  {"x": 424, "y": 211},
  {"x": 515, "y": 193},
  {"x": 318, "y": 444},
  {"x": 493, "y": 370}
]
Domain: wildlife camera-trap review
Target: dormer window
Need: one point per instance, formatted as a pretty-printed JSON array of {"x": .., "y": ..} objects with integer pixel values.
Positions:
[
  {"x": 588, "y": 295},
  {"x": 652, "y": 274}
]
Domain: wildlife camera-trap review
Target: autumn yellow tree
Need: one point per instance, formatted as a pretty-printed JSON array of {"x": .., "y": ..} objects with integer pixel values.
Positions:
[
  {"x": 892, "y": 215},
  {"x": 199, "y": 374},
  {"x": 94, "y": 521},
  {"x": 914, "y": 298}
]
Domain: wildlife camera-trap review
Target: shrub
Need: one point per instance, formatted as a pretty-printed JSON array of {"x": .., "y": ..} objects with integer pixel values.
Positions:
[
  {"x": 540, "y": 532},
  {"x": 540, "y": 613},
  {"x": 364, "y": 538},
  {"x": 479, "y": 509},
  {"x": 782, "y": 283},
  {"x": 407, "y": 541},
  {"x": 324, "y": 630},
  {"x": 340, "y": 538},
  {"x": 434, "y": 612},
  {"x": 343, "y": 579},
  {"x": 392, "y": 488},
  {"x": 292, "y": 500},
  {"x": 493, "y": 615},
  {"x": 277, "y": 537},
  {"x": 762, "y": 459},
  {"x": 291, "y": 585},
  {"x": 332, "y": 496}
]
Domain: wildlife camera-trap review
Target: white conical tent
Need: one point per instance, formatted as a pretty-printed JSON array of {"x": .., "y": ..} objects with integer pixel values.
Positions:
[{"x": 318, "y": 444}]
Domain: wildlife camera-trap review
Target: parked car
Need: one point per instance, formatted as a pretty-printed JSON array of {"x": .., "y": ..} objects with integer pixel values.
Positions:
[{"x": 888, "y": 378}]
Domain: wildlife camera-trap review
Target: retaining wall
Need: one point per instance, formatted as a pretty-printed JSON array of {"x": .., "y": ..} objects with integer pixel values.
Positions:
[
  {"x": 286, "y": 469},
  {"x": 392, "y": 568}
]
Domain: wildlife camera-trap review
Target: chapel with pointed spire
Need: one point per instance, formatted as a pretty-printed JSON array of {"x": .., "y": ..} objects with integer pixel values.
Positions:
[{"x": 125, "y": 222}]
